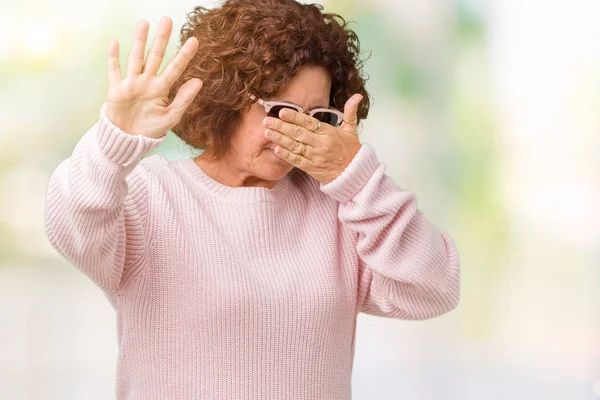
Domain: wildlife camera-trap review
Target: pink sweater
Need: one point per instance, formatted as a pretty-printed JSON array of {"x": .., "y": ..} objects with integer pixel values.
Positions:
[{"x": 245, "y": 292}]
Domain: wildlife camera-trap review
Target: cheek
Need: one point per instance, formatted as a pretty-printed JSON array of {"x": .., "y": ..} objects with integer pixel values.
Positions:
[
  {"x": 259, "y": 140},
  {"x": 251, "y": 139},
  {"x": 256, "y": 130},
  {"x": 257, "y": 135},
  {"x": 254, "y": 143}
]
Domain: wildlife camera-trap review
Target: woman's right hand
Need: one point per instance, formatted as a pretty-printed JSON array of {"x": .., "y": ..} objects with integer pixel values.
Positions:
[{"x": 139, "y": 104}]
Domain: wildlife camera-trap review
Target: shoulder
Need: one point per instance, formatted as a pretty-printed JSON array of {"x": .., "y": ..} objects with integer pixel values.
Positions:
[
  {"x": 159, "y": 164},
  {"x": 157, "y": 167},
  {"x": 156, "y": 162}
]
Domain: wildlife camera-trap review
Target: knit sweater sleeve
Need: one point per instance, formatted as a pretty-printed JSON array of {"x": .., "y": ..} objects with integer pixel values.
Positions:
[
  {"x": 96, "y": 203},
  {"x": 407, "y": 268}
]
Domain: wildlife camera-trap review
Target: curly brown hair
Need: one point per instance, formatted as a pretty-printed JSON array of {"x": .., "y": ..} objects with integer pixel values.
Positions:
[{"x": 256, "y": 47}]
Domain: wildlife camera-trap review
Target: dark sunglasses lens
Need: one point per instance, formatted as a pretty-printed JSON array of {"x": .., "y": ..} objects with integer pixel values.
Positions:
[
  {"x": 274, "y": 111},
  {"x": 327, "y": 117}
]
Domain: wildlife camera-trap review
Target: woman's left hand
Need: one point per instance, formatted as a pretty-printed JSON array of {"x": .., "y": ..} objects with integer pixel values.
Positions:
[{"x": 329, "y": 150}]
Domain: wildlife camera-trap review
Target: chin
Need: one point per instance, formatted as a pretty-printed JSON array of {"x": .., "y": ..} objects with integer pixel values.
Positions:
[
  {"x": 275, "y": 168},
  {"x": 275, "y": 172}
]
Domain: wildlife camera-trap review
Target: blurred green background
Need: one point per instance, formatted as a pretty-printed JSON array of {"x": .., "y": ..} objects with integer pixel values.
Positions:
[{"x": 487, "y": 110}]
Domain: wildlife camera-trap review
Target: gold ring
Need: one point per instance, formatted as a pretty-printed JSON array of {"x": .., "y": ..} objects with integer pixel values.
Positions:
[
  {"x": 318, "y": 126},
  {"x": 303, "y": 151},
  {"x": 351, "y": 122}
]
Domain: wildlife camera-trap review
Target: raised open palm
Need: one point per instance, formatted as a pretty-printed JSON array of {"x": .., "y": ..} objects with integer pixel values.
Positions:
[{"x": 139, "y": 103}]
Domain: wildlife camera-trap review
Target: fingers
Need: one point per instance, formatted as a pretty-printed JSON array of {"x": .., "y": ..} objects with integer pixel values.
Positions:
[
  {"x": 138, "y": 49},
  {"x": 299, "y": 118},
  {"x": 114, "y": 69},
  {"x": 177, "y": 65},
  {"x": 184, "y": 97},
  {"x": 351, "y": 112},
  {"x": 157, "y": 51},
  {"x": 292, "y": 130},
  {"x": 295, "y": 159},
  {"x": 284, "y": 141}
]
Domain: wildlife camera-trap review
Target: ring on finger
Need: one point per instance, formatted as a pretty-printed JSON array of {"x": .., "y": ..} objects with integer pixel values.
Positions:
[
  {"x": 304, "y": 148},
  {"x": 318, "y": 126}
]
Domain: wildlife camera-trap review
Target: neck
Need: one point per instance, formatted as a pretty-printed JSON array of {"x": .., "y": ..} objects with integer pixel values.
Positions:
[{"x": 225, "y": 172}]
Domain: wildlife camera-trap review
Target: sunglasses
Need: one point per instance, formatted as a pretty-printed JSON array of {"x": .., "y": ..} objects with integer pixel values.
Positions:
[{"x": 326, "y": 115}]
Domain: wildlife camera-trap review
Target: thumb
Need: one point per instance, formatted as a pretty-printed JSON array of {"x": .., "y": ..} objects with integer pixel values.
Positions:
[
  {"x": 185, "y": 95},
  {"x": 351, "y": 113}
]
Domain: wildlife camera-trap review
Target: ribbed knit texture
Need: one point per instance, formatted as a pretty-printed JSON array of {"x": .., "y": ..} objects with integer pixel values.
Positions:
[{"x": 247, "y": 292}]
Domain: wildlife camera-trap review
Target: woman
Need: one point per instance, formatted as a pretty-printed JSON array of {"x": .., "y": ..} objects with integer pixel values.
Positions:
[{"x": 238, "y": 274}]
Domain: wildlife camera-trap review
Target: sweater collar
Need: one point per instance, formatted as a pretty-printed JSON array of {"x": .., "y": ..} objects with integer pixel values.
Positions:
[{"x": 237, "y": 194}]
